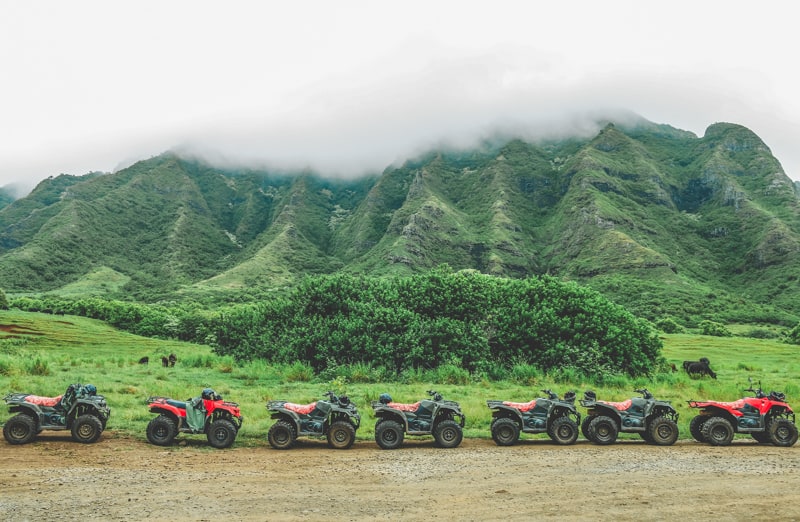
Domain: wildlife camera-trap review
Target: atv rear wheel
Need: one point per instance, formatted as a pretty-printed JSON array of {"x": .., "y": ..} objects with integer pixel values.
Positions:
[
  {"x": 782, "y": 432},
  {"x": 20, "y": 429},
  {"x": 87, "y": 429},
  {"x": 505, "y": 431},
  {"x": 602, "y": 430},
  {"x": 281, "y": 435},
  {"x": 564, "y": 431},
  {"x": 389, "y": 434},
  {"x": 341, "y": 435},
  {"x": 448, "y": 434},
  {"x": 696, "y": 428},
  {"x": 221, "y": 433},
  {"x": 662, "y": 431},
  {"x": 718, "y": 431},
  {"x": 161, "y": 431}
]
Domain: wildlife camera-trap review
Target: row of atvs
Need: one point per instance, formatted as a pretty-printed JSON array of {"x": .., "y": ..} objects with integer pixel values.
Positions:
[{"x": 766, "y": 417}]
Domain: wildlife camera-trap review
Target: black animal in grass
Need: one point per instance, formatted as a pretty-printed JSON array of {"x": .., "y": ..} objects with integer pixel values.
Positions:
[
  {"x": 169, "y": 362},
  {"x": 699, "y": 368}
]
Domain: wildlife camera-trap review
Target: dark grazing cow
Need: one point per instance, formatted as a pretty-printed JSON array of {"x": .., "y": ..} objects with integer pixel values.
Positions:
[
  {"x": 699, "y": 368},
  {"x": 172, "y": 359},
  {"x": 144, "y": 360},
  {"x": 165, "y": 362}
]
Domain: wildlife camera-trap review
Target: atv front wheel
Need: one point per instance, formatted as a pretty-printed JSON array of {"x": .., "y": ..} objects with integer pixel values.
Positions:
[
  {"x": 448, "y": 434},
  {"x": 20, "y": 429},
  {"x": 696, "y": 428},
  {"x": 662, "y": 431},
  {"x": 341, "y": 435},
  {"x": 564, "y": 431},
  {"x": 389, "y": 434},
  {"x": 161, "y": 431},
  {"x": 221, "y": 433},
  {"x": 281, "y": 435},
  {"x": 602, "y": 430},
  {"x": 505, "y": 431},
  {"x": 718, "y": 431},
  {"x": 782, "y": 432},
  {"x": 87, "y": 429}
]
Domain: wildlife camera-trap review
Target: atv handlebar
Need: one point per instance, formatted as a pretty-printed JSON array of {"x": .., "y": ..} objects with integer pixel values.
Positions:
[
  {"x": 344, "y": 400},
  {"x": 757, "y": 391},
  {"x": 646, "y": 394},
  {"x": 550, "y": 394},
  {"x": 436, "y": 395}
]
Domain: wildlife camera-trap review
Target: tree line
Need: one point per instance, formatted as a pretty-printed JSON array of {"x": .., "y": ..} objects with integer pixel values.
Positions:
[{"x": 441, "y": 317}]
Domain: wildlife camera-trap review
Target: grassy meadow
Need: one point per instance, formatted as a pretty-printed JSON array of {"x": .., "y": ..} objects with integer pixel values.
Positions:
[{"x": 43, "y": 354}]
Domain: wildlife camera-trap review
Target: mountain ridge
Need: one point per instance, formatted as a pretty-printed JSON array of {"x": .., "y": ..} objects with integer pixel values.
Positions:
[{"x": 658, "y": 219}]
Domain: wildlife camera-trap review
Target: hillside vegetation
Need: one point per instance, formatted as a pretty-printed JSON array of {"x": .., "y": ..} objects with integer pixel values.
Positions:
[
  {"x": 659, "y": 220},
  {"x": 466, "y": 321}
]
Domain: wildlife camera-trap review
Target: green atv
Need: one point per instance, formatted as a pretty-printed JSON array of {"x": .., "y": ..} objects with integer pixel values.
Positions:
[{"x": 79, "y": 410}]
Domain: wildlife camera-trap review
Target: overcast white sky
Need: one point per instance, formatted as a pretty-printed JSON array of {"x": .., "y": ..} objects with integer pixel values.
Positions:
[{"x": 342, "y": 87}]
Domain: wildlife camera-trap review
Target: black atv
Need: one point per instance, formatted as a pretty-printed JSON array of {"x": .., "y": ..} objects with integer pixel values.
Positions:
[
  {"x": 79, "y": 410},
  {"x": 655, "y": 421},
  {"x": 556, "y": 417},
  {"x": 434, "y": 416},
  {"x": 337, "y": 418}
]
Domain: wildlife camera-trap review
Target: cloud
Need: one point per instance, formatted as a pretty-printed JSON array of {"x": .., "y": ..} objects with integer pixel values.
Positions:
[{"x": 347, "y": 89}]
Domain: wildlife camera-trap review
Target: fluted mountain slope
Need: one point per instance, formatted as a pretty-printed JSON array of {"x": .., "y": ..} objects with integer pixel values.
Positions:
[{"x": 662, "y": 221}]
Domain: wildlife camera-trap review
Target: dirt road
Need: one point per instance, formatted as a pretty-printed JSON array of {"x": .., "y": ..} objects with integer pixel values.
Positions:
[{"x": 125, "y": 479}]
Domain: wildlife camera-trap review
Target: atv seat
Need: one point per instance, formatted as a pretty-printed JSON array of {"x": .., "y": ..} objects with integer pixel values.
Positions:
[
  {"x": 301, "y": 409},
  {"x": 181, "y": 405},
  {"x": 51, "y": 402},
  {"x": 521, "y": 406},
  {"x": 735, "y": 405},
  {"x": 404, "y": 407},
  {"x": 621, "y": 406}
]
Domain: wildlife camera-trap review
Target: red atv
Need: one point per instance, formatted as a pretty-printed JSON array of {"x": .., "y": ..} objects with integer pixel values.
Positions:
[
  {"x": 219, "y": 420},
  {"x": 766, "y": 417}
]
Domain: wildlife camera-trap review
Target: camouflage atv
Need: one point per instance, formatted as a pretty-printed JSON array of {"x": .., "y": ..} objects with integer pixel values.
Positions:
[
  {"x": 655, "y": 421},
  {"x": 434, "y": 416},
  {"x": 557, "y": 417},
  {"x": 79, "y": 410},
  {"x": 766, "y": 417},
  {"x": 337, "y": 418}
]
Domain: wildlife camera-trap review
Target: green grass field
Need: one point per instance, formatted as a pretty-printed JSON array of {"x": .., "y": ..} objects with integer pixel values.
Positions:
[{"x": 43, "y": 354}]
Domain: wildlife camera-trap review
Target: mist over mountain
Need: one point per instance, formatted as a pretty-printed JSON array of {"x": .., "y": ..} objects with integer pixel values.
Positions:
[{"x": 660, "y": 220}]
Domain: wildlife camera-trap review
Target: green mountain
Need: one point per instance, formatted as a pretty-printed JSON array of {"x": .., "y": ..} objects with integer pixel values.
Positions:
[
  {"x": 658, "y": 219},
  {"x": 6, "y": 197}
]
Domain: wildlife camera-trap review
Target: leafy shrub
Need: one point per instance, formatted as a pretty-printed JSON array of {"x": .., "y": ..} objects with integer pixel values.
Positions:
[
  {"x": 299, "y": 372},
  {"x": 450, "y": 374},
  {"x": 761, "y": 333},
  {"x": 668, "y": 325},
  {"x": 714, "y": 328},
  {"x": 526, "y": 374},
  {"x": 424, "y": 321},
  {"x": 37, "y": 366},
  {"x": 5, "y": 366}
]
